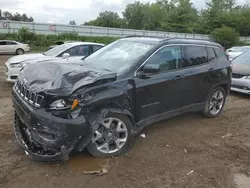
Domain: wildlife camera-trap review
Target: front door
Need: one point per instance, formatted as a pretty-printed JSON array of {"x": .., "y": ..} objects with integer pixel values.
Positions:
[{"x": 159, "y": 93}]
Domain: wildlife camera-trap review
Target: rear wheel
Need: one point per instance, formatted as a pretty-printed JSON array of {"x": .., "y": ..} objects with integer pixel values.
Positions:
[
  {"x": 19, "y": 51},
  {"x": 113, "y": 136},
  {"x": 215, "y": 103}
]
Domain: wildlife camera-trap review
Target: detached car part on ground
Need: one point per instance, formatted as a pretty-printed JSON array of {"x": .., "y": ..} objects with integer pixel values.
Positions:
[
  {"x": 73, "y": 50},
  {"x": 241, "y": 73},
  {"x": 103, "y": 103}
]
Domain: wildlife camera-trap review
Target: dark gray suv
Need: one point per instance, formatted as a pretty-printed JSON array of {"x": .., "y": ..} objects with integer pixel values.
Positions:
[{"x": 101, "y": 103}]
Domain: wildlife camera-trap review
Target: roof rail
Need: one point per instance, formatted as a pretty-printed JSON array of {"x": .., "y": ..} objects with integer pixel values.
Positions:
[{"x": 169, "y": 38}]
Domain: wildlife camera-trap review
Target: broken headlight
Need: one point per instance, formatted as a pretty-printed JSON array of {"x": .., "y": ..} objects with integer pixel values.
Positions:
[
  {"x": 63, "y": 104},
  {"x": 60, "y": 104}
]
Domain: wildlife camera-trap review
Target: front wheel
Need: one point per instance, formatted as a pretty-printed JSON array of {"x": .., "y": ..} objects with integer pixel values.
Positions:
[
  {"x": 113, "y": 136},
  {"x": 215, "y": 103}
]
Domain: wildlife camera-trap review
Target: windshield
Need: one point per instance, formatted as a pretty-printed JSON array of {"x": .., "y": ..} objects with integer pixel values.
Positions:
[
  {"x": 119, "y": 56},
  {"x": 243, "y": 58},
  {"x": 56, "y": 50}
]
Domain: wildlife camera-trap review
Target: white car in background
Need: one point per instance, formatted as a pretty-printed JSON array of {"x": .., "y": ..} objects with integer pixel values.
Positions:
[
  {"x": 13, "y": 47},
  {"x": 236, "y": 51},
  {"x": 76, "y": 50}
]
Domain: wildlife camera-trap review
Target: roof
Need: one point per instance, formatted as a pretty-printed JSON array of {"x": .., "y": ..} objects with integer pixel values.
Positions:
[
  {"x": 84, "y": 43},
  {"x": 156, "y": 40}
]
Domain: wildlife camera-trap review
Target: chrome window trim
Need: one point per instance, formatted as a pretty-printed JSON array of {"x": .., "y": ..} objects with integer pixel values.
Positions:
[{"x": 168, "y": 45}]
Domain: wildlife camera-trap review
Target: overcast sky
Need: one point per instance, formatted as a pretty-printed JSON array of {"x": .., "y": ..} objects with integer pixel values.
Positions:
[{"x": 62, "y": 11}]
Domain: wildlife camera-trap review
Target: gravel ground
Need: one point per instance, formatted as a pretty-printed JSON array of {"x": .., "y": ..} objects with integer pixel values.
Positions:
[{"x": 187, "y": 151}]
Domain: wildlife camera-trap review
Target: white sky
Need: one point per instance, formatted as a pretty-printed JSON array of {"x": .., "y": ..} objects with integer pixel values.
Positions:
[{"x": 62, "y": 11}]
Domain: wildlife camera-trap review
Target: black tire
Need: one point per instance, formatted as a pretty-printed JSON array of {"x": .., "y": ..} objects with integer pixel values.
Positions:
[
  {"x": 19, "y": 51},
  {"x": 207, "y": 112},
  {"x": 92, "y": 148}
]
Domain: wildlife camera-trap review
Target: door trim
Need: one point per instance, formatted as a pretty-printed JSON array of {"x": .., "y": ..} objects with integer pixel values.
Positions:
[{"x": 165, "y": 115}]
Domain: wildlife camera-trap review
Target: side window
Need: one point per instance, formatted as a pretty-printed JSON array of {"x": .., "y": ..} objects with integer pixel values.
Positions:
[
  {"x": 95, "y": 48},
  {"x": 220, "y": 53},
  {"x": 2, "y": 43},
  {"x": 169, "y": 58},
  {"x": 10, "y": 43},
  {"x": 77, "y": 51},
  {"x": 194, "y": 55},
  {"x": 210, "y": 54}
]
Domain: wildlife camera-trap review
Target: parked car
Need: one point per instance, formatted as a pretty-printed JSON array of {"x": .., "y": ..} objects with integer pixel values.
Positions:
[
  {"x": 69, "y": 50},
  {"x": 13, "y": 47},
  {"x": 102, "y": 103},
  {"x": 241, "y": 73},
  {"x": 236, "y": 51},
  {"x": 57, "y": 43}
]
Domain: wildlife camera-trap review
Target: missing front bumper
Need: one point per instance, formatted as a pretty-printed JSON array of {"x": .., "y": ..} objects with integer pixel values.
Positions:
[{"x": 38, "y": 151}]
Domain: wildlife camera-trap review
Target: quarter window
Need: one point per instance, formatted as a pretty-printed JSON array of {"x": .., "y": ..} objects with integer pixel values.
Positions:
[
  {"x": 95, "y": 48},
  {"x": 220, "y": 53},
  {"x": 168, "y": 58},
  {"x": 194, "y": 55},
  {"x": 210, "y": 54}
]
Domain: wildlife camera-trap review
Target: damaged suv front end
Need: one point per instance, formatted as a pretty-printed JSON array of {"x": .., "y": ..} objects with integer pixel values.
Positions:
[{"x": 49, "y": 112}]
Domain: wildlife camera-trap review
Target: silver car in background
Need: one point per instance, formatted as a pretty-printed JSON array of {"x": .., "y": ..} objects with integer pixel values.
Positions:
[
  {"x": 13, "y": 47},
  {"x": 76, "y": 50},
  {"x": 241, "y": 73}
]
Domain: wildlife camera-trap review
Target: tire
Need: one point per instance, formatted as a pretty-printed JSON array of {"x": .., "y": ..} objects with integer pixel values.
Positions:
[
  {"x": 92, "y": 147},
  {"x": 19, "y": 51},
  {"x": 216, "y": 99}
]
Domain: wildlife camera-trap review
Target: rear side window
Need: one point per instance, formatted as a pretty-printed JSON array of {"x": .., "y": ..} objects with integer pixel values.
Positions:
[
  {"x": 95, "y": 48},
  {"x": 220, "y": 53},
  {"x": 194, "y": 55},
  {"x": 10, "y": 43},
  {"x": 210, "y": 54}
]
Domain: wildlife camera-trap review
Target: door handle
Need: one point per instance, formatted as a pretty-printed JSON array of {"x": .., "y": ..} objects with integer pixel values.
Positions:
[
  {"x": 179, "y": 77},
  {"x": 210, "y": 70}
]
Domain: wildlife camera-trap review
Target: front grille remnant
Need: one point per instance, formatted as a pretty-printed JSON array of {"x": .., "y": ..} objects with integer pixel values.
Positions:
[{"x": 29, "y": 96}]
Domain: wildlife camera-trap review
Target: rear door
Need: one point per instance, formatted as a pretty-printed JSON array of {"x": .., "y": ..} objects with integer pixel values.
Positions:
[
  {"x": 159, "y": 93},
  {"x": 11, "y": 46},
  {"x": 195, "y": 67}
]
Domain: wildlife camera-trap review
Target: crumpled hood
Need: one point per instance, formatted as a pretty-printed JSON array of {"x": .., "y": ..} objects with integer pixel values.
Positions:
[
  {"x": 26, "y": 57},
  {"x": 61, "y": 79},
  {"x": 241, "y": 68}
]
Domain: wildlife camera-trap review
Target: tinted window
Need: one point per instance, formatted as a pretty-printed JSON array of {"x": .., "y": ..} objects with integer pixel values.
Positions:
[
  {"x": 2, "y": 43},
  {"x": 220, "y": 53},
  {"x": 78, "y": 51},
  {"x": 10, "y": 43},
  {"x": 210, "y": 54},
  {"x": 95, "y": 48},
  {"x": 169, "y": 58},
  {"x": 194, "y": 55}
]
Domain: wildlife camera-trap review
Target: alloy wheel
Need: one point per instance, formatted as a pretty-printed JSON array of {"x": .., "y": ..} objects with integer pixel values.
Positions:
[
  {"x": 216, "y": 102},
  {"x": 111, "y": 135}
]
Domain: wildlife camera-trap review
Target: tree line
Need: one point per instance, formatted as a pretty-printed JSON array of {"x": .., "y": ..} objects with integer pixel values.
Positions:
[
  {"x": 6, "y": 15},
  {"x": 179, "y": 16}
]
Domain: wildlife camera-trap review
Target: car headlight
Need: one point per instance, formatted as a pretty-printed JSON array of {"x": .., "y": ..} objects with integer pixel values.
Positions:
[
  {"x": 63, "y": 104},
  {"x": 18, "y": 65}
]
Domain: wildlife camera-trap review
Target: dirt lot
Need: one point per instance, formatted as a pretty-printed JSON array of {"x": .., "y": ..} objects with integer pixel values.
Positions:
[{"x": 187, "y": 151}]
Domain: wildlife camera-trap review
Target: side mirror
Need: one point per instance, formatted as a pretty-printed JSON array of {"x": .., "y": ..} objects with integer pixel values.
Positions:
[
  {"x": 65, "y": 55},
  {"x": 148, "y": 70},
  {"x": 151, "y": 69}
]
